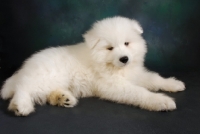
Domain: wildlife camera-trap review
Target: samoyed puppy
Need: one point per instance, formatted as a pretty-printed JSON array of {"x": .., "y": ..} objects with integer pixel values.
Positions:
[{"x": 109, "y": 64}]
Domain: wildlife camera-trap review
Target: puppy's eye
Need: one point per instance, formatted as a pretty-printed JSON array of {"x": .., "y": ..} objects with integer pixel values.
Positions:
[
  {"x": 110, "y": 48},
  {"x": 126, "y": 43}
]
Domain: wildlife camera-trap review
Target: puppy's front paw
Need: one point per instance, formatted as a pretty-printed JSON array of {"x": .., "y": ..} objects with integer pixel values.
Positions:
[
  {"x": 174, "y": 85},
  {"x": 61, "y": 98},
  {"x": 160, "y": 102}
]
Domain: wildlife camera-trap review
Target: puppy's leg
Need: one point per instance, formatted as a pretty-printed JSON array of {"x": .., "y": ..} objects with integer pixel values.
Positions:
[
  {"x": 61, "y": 98},
  {"x": 21, "y": 103},
  {"x": 124, "y": 92},
  {"x": 8, "y": 88},
  {"x": 154, "y": 82}
]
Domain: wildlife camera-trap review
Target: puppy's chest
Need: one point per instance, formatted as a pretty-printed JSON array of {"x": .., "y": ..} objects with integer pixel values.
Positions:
[{"x": 132, "y": 75}]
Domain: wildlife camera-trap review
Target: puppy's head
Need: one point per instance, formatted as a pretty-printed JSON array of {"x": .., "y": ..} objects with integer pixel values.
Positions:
[{"x": 116, "y": 41}]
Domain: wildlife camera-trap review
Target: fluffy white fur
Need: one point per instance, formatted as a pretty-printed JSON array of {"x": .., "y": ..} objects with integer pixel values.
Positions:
[{"x": 92, "y": 68}]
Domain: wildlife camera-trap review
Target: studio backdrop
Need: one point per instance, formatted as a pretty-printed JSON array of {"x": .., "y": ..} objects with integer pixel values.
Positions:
[{"x": 171, "y": 29}]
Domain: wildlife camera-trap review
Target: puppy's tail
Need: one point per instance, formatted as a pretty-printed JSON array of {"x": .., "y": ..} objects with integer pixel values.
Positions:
[{"x": 7, "y": 90}]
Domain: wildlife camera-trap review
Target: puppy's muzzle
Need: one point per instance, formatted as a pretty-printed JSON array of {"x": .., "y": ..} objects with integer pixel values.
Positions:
[{"x": 124, "y": 59}]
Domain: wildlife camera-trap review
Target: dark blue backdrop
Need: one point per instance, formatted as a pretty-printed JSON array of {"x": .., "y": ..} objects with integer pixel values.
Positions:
[{"x": 171, "y": 28}]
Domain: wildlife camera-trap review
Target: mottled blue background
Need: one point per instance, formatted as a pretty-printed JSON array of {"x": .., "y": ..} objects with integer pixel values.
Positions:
[{"x": 171, "y": 28}]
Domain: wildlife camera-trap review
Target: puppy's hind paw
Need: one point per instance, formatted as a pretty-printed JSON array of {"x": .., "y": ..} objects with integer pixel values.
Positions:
[
  {"x": 21, "y": 109},
  {"x": 61, "y": 98}
]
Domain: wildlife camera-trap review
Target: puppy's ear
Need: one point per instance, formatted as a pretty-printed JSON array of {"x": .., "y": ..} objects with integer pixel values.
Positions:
[
  {"x": 90, "y": 39},
  {"x": 137, "y": 27}
]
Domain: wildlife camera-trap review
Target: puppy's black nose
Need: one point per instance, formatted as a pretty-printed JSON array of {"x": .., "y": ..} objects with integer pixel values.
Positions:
[{"x": 123, "y": 59}]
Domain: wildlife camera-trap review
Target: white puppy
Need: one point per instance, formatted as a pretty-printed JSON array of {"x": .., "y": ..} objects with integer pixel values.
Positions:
[{"x": 108, "y": 65}]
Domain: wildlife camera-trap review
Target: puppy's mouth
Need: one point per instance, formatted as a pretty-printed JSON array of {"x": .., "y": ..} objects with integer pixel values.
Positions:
[{"x": 120, "y": 65}]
